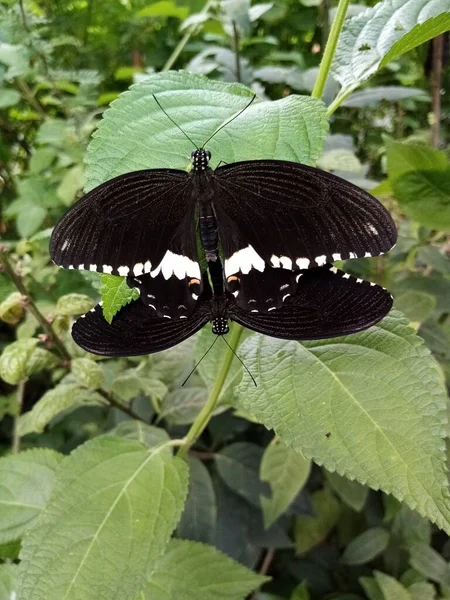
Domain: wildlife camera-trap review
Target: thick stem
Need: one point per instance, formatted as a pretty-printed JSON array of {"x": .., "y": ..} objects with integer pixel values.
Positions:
[
  {"x": 40, "y": 318},
  {"x": 330, "y": 49},
  {"x": 438, "y": 53},
  {"x": 15, "y": 443},
  {"x": 203, "y": 418}
]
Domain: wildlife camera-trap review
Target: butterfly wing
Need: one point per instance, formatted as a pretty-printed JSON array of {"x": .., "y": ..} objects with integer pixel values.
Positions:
[
  {"x": 135, "y": 330},
  {"x": 328, "y": 303},
  {"x": 293, "y": 216},
  {"x": 136, "y": 223}
]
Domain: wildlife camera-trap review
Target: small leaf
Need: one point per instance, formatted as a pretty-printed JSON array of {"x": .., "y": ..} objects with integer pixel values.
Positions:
[
  {"x": 310, "y": 531},
  {"x": 182, "y": 405},
  {"x": 26, "y": 483},
  {"x": 9, "y": 97},
  {"x": 430, "y": 564},
  {"x": 422, "y": 591},
  {"x": 390, "y": 587},
  {"x": 29, "y": 219},
  {"x": 115, "y": 295},
  {"x": 88, "y": 372},
  {"x": 164, "y": 8},
  {"x": 366, "y": 546},
  {"x": 74, "y": 304},
  {"x": 300, "y": 592},
  {"x": 371, "y": 588},
  {"x": 140, "y": 432},
  {"x": 238, "y": 464},
  {"x": 191, "y": 570},
  {"x": 404, "y": 157},
  {"x": 64, "y": 397},
  {"x": 12, "y": 308},
  {"x": 198, "y": 521},
  {"x": 15, "y": 359},
  {"x": 287, "y": 472},
  {"x": 352, "y": 493},
  {"x": 130, "y": 383},
  {"x": 39, "y": 360},
  {"x": 417, "y": 306},
  {"x": 380, "y": 34},
  {"x": 112, "y": 512},
  {"x": 72, "y": 182}
]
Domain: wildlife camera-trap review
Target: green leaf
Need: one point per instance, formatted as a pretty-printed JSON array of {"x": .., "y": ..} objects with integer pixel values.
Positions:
[
  {"x": 390, "y": 587},
  {"x": 132, "y": 382},
  {"x": 352, "y": 493},
  {"x": 417, "y": 306},
  {"x": 10, "y": 550},
  {"x": 366, "y": 546},
  {"x": 380, "y": 34},
  {"x": 430, "y": 564},
  {"x": 143, "y": 137},
  {"x": 30, "y": 219},
  {"x": 12, "y": 308},
  {"x": 72, "y": 182},
  {"x": 300, "y": 592},
  {"x": 371, "y": 588},
  {"x": 398, "y": 419},
  {"x": 9, "y": 97},
  {"x": 140, "y": 432},
  {"x": 403, "y": 158},
  {"x": 110, "y": 518},
  {"x": 310, "y": 531},
  {"x": 181, "y": 406},
  {"x": 115, "y": 295},
  {"x": 14, "y": 361},
  {"x": 88, "y": 372},
  {"x": 287, "y": 472},
  {"x": 198, "y": 521},
  {"x": 16, "y": 58},
  {"x": 392, "y": 93},
  {"x": 237, "y": 11},
  {"x": 191, "y": 570},
  {"x": 411, "y": 528},
  {"x": 8, "y": 579},
  {"x": 64, "y": 397},
  {"x": 164, "y": 8},
  {"x": 425, "y": 197},
  {"x": 26, "y": 481},
  {"x": 422, "y": 591},
  {"x": 74, "y": 304},
  {"x": 41, "y": 159},
  {"x": 238, "y": 465}
]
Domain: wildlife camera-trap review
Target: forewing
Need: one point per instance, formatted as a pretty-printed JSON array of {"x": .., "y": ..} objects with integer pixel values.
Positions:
[
  {"x": 328, "y": 303},
  {"x": 128, "y": 224},
  {"x": 135, "y": 330},
  {"x": 293, "y": 216}
]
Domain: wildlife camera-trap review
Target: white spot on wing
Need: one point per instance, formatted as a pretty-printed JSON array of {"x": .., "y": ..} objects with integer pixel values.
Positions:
[
  {"x": 271, "y": 308},
  {"x": 138, "y": 269},
  {"x": 336, "y": 256},
  {"x": 275, "y": 261},
  {"x": 286, "y": 262},
  {"x": 352, "y": 255},
  {"x": 71, "y": 267},
  {"x": 65, "y": 244},
  {"x": 285, "y": 296},
  {"x": 107, "y": 269},
  {"x": 346, "y": 276},
  {"x": 372, "y": 229},
  {"x": 367, "y": 255},
  {"x": 359, "y": 280},
  {"x": 243, "y": 260},
  {"x": 147, "y": 266},
  {"x": 92, "y": 267},
  {"x": 123, "y": 271},
  {"x": 178, "y": 265},
  {"x": 321, "y": 260},
  {"x": 302, "y": 263},
  {"x": 81, "y": 267},
  {"x": 334, "y": 270}
]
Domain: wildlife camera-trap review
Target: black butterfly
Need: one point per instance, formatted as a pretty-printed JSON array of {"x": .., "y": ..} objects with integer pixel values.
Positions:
[
  {"x": 262, "y": 213},
  {"x": 318, "y": 303}
]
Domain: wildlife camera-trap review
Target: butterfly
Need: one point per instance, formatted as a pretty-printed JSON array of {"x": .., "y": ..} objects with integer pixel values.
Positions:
[
  {"x": 321, "y": 302},
  {"x": 262, "y": 214}
]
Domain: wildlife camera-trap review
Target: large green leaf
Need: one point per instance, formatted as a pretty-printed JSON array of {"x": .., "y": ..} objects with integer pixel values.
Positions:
[
  {"x": 191, "y": 570},
  {"x": 287, "y": 472},
  {"x": 26, "y": 481},
  {"x": 404, "y": 157},
  {"x": 380, "y": 34},
  {"x": 136, "y": 134},
  {"x": 377, "y": 393},
  {"x": 110, "y": 518},
  {"x": 115, "y": 294}
]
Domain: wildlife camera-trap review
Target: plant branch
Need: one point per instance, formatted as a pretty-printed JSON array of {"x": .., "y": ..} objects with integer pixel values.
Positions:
[
  {"x": 265, "y": 565},
  {"x": 15, "y": 443},
  {"x": 438, "y": 53},
  {"x": 40, "y": 318},
  {"x": 330, "y": 49},
  {"x": 116, "y": 404},
  {"x": 28, "y": 95},
  {"x": 236, "y": 52},
  {"x": 191, "y": 30},
  {"x": 203, "y": 418}
]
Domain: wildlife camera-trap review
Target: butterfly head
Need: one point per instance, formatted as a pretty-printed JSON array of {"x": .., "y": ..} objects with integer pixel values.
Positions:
[
  {"x": 220, "y": 326},
  {"x": 200, "y": 159}
]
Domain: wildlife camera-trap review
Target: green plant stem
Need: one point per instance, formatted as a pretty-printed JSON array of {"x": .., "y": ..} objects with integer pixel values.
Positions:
[
  {"x": 203, "y": 418},
  {"x": 192, "y": 30},
  {"x": 237, "y": 52},
  {"x": 330, "y": 49}
]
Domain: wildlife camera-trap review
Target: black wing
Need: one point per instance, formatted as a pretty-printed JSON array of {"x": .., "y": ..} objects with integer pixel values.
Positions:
[
  {"x": 328, "y": 303},
  {"x": 135, "y": 330},
  {"x": 136, "y": 223},
  {"x": 293, "y": 216}
]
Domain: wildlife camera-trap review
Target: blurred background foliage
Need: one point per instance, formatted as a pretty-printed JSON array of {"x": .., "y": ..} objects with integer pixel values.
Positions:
[{"x": 61, "y": 64}]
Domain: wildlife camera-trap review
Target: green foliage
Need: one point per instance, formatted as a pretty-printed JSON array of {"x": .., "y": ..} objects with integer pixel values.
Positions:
[{"x": 93, "y": 502}]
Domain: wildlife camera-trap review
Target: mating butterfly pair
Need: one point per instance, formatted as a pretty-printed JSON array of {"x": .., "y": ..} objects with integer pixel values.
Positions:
[{"x": 278, "y": 224}]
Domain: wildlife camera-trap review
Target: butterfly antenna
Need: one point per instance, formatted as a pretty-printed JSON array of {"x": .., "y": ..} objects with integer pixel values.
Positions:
[
  {"x": 240, "y": 360},
  {"x": 229, "y": 121},
  {"x": 200, "y": 361},
  {"x": 176, "y": 124}
]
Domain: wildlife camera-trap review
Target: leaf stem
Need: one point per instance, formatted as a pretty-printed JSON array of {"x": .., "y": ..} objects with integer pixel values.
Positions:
[
  {"x": 40, "y": 318},
  {"x": 192, "y": 30},
  {"x": 204, "y": 416},
  {"x": 330, "y": 49}
]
